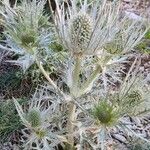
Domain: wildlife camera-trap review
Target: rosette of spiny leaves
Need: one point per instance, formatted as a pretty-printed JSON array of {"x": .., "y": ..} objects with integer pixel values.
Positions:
[
  {"x": 109, "y": 110},
  {"x": 27, "y": 30},
  {"x": 40, "y": 121}
]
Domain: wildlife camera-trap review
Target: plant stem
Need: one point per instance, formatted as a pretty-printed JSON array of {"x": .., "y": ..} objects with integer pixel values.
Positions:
[
  {"x": 75, "y": 76},
  {"x": 49, "y": 79},
  {"x": 72, "y": 107},
  {"x": 70, "y": 126},
  {"x": 88, "y": 84}
]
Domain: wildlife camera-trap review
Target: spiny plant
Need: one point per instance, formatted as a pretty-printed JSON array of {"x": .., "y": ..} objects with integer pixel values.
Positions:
[
  {"x": 40, "y": 131},
  {"x": 97, "y": 41},
  {"x": 29, "y": 34},
  {"x": 107, "y": 111},
  {"x": 27, "y": 30}
]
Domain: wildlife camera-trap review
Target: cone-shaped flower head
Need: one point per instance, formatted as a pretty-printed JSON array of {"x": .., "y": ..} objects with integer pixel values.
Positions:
[
  {"x": 81, "y": 29},
  {"x": 34, "y": 118},
  {"x": 134, "y": 97},
  {"x": 27, "y": 39},
  {"x": 105, "y": 113},
  {"x": 37, "y": 133}
]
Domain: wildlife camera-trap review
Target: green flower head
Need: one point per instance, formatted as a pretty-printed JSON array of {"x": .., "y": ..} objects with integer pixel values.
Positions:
[
  {"x": 34, "y": 118},
  {"x": 28, "y": 38},
  {"x": 105, "y": 113}
]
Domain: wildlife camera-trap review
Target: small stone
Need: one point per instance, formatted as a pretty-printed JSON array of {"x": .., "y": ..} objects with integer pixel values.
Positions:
[
  {"x": 120, "y": 138},
  {"x": 127, "y": 1},
  {"x": 137, "y": 121},
  {"x": 132, "y": 15}
]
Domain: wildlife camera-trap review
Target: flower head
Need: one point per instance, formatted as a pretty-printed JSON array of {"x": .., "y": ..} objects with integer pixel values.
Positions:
[
  {"x": 34, "y": 117},
  {"x": 105, "y": 113},
  {"x": 110, "y": 111},
  {"x": 130, "y": 34},
  {"x": 86, "y": 26},
  {"x": 81, "y": 29},
  {"x": 28, "y": 39}
]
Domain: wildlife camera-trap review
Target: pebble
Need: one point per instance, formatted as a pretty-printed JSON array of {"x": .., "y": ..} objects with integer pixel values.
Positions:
[
  {"x": 132, "y": 15},
  {"x": 120, "y": 138},
  {"x": 127, "y": 1}
]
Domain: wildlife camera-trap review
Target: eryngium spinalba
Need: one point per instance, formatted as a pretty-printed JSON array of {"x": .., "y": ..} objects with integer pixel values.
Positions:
[{"x": 86, "y": 27}]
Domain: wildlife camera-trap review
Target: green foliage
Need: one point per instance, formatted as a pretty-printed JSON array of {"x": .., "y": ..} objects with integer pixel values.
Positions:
[
  {"x": 144, "y": 46},
  {"x": 147, "y": 35},
  {"x": 56, "y": 47},
  {"x": 9, "y": 119}
]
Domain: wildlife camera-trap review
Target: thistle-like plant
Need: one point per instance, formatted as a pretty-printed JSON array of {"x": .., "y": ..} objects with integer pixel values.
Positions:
[
  {"x": 41, "y": 131},
  {"x": 108, "y": 111},
  {"x": 93, "y": 29},
  {"x": 87, "y": 28},
  {"x": 96, "y": 29},
  {"x": 97, "y": 40},
  {"x": 128, "y": 37},
  {"x": 28, "y": 33},
  {"x": 27, "y": 30},
  {"x": 105, "y": 113}
]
